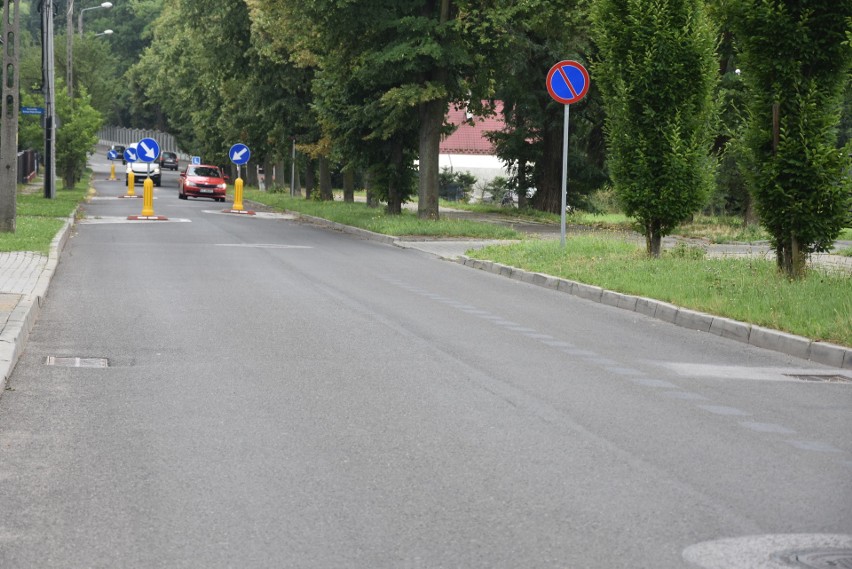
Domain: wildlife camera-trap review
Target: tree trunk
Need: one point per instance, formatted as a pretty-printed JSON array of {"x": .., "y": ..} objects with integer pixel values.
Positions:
[
  {"x": 297, "y": 192},
  {"x": 431, "y": 120},
  {"x": 394, "y": 201},
  {"x": 349, "y": 185},
  {"x": 522, "y": 184},
  {"x": 326, "y": 193},
  {"x": 368, "y": 186},
  {"x": 309, "y": 179},
  {"x": 548, "y": 196},
  {"x": 653, "y": 239}
]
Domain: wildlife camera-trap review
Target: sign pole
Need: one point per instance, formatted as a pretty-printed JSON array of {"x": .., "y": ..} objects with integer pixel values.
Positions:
[
  {"x": 564, "y": 173},
  {"x": 567, "y": 83}
]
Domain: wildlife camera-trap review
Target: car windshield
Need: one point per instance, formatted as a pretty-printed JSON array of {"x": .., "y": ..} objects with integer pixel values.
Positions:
[
  {"x": 205, "y": 171},
  {"x": 169, "y": 155}
]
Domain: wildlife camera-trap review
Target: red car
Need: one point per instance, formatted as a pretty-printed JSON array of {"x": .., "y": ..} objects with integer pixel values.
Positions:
[{"x": 202, "y": 181}]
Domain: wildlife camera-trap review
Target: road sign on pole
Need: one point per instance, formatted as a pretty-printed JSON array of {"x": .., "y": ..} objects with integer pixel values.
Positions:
[
  {"x": 567, "y": 82},
  {"x": 147, "y": 150},
  {"x": 239, "y": 154},
  {"x": 130, "y": 154}
]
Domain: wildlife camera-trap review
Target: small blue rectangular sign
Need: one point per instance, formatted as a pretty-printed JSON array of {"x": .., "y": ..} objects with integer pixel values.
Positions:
[{"x": 32, "y": 110}]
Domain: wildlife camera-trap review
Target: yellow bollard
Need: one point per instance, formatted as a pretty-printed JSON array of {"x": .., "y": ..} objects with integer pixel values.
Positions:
[
  {"x": 112, "y": 172},
  {"x": 238, "y": 195},
  {"x": 148, "y": 198},
  {"x": 131, "y": 181}
]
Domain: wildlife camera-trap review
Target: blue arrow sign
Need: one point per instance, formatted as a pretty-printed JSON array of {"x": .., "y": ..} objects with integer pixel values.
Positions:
[
  {"x": 130, "y": 155},
  {"x": 239, "y": 154},
  {"x": 112, "y": 155},
  {"x": 147, "y": 150}
]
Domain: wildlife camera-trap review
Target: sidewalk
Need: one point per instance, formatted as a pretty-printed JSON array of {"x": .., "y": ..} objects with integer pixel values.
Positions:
[{"x": 24, "y": 279}]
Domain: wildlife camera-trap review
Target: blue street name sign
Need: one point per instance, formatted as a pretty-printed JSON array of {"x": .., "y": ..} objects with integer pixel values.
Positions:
[
  {"x": 239, "y": 154},
  {"x": 147, "y": 150},
  {"x": 130, "y": 154},
  {"x": 32, "y": 110}
]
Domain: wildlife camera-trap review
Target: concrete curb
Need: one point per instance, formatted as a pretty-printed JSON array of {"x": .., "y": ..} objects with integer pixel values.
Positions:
[
  {"x": 363, "y": 233},
  {"x": 15, "y": 334},
  {"x": 797, "y": 346}
]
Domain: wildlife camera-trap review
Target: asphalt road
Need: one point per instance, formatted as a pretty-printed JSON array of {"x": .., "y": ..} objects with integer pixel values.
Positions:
[{"x": 280, "y": 395}]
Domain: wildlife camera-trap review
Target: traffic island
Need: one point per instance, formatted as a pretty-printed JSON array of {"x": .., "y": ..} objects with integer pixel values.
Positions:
[{"x": 147, "y": 218}]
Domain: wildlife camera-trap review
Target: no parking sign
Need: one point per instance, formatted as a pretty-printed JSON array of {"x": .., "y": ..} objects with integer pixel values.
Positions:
[{"x": 567, "y": 82}]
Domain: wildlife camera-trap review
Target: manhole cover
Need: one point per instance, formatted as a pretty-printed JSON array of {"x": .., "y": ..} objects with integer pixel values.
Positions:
[
  {"x": 818, "y": 558},
  {"x": 823, "y": 378},
  {"x": 77, "y": 362}
]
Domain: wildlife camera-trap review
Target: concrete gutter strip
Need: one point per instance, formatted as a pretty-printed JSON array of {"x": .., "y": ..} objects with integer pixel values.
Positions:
[{"x": 775, "y": 340}]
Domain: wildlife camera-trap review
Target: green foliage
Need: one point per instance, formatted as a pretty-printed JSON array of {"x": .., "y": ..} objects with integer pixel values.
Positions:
[
  {"x": 796, "y": 61},
  {"x": 748, "y": 290},
  {"x": 656, "y": 73},
  {"x": 371, "y": 219},
  {"x": 76, "y": 135},
  {"x": 455, "y": 185}
]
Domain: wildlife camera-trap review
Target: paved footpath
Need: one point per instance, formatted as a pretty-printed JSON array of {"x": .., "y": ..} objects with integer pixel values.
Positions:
[{"x": 24, "y": 280}]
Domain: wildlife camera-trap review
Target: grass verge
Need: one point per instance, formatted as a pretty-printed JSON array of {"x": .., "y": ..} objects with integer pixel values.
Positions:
[
  {"x": 749, "y": 290},
  {"x": 38, "y": 219},
  {"x": 376, "y": 220}
]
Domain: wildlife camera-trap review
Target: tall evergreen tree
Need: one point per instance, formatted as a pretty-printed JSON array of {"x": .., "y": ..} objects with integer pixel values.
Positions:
[
  {"x": 795, "y": 59},
  {"x": 656, "y": 71}
]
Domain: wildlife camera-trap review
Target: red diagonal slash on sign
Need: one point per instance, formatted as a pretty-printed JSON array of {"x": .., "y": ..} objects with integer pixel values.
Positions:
[{"x": 567, "y": 81}]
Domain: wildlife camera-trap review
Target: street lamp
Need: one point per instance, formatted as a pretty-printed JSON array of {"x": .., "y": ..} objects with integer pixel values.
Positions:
[
  {"x": 104, "y": 33},
  {"x": 80, "y": 18}
]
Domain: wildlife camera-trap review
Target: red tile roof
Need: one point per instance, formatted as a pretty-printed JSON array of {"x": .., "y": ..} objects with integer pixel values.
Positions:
[{"x": 467, "y": 139}]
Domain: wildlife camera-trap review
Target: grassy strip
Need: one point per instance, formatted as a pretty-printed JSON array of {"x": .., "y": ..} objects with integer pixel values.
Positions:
[
  {"x": 750, "y": 290},
  {"x": 376, "y": 220},
  {"x": 38, "y": 219}
]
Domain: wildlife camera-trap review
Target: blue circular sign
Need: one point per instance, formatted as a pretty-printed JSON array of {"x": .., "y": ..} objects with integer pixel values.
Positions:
[
  {"x": 112, "y": 155},
  {"x": 147, "y": 150},
  {"x": 130, "y": 154},
  {"x": 568, "y": 82},
  {"x": 239, "y": 154}
]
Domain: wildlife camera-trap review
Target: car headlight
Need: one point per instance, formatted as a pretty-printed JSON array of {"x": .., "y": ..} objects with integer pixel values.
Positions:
[{"x": 222, "y": 186}]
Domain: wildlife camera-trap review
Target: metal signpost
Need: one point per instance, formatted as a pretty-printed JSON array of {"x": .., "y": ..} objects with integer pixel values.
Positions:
[
  {"x": 147, "y": 151},
  {"x": 567, "y": 82},
  {"x": 239, "y": 155}
]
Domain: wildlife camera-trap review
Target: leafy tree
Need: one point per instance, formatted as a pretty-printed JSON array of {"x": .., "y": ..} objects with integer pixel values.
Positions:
[
  {"x": 540, "y": 33},
  {"x": 77, "y": 134},
  {"x": 796, "y": 58},
  {"x": 656, "y": 73}
]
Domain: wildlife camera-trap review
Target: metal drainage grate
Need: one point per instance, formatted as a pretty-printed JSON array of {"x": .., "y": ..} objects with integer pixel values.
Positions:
[
  {"x": 818, "y": 559},
  {"x": 77, "y": 362},
  {"x": 823, "y": 378}
]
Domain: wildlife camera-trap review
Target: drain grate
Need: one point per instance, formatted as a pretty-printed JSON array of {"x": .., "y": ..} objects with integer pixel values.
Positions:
[
  {"x": 77, "y": 362},
  {"x": 834, "y": 378},
  {"x": 818, "y": 558}
]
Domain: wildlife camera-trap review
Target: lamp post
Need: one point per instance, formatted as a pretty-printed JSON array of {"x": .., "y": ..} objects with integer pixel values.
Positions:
[
  {"x": 80, "y": 17},
  {"x": 104, "y": 33}
]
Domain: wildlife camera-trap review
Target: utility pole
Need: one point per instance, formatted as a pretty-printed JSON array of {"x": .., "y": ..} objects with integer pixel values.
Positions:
[
  {"x": 49, "y": 86},
  {"x": 9, "y": 116},
  {"x": 69, "y": 49}
]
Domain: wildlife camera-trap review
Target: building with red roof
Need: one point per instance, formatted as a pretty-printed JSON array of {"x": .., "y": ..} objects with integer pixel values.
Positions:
[{"x": 467, "y": 149}]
